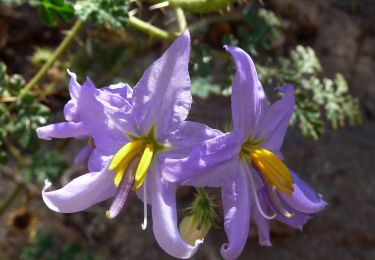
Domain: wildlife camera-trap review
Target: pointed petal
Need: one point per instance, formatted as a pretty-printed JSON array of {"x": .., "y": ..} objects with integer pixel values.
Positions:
[
  {"x": 248, "y": 98},
  {"x": 62, "y": 130},
  {"x": 276, "y": 119},
  {"x": 218, "y": 157},
  {"x": 74, "y": 86},
  {"x": 164, "y": 217},
  {"x": 81, "y": 193},
  {"x": 162, "y": 96},
  {"x": 236, "y": 204},
  {"x": 303, "y": 199}
]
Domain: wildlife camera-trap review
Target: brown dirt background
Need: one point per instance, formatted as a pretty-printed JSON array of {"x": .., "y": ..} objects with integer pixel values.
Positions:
[{"x": 340, "y": 165}]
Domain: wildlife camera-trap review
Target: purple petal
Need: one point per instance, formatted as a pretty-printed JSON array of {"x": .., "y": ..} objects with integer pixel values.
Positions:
[
  {"x": 98, "y": 159},
  {"x": 70, "y": 112},
  {"x": 186, "y": 137},
  {"x": 162, "y": 96},
  {"x": 303, "y": 199},
  {"x": 107, "y": 124},
  {"x": 81, "y": 193},
  {"x": 62, "y": 130},
  {"x": 164, "y": 217},
  {"x": 236, "y": 204},
  {"x": 83, "y": 155},
  {"x": 248, "y": 99},
  {"x": 276, "y": 119},
  {"x": 74, "y": 86},
  {"x": 263, "y": 224},
  {"x": 121, "y": 89},
  {"x": 297, "y": 221},
  {"x": 218, "y": 157},
  {"x": 70, "y": 109}
]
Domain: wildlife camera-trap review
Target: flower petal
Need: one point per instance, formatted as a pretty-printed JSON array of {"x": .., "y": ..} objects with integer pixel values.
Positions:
[
  {"x": 164, "y": 217},
  {"x": 263, "y": 224},
  {"x": 218, "y": 157},
  {"x": 162, "y": 96},
  {"x": 121, "y": 89},
  {"x": 297, "y": 221},
  {"x": 81, "y": 193},
  {"x": 236, "y": 204},
  {"x": 186, "y": 137},
  {"x": 248, "y": 98},
  {"x": 83, "y": 155},
  {"x": 276, "y": 119},
  {"x": 62, "y": 130},
  {"x": 98, "y": 160},
  {"x": 107, "y": 124},
  {"x": 304, "y": 199}
]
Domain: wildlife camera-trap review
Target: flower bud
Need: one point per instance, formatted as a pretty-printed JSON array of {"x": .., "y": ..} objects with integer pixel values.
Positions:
[{"x": 191, "y": 231}]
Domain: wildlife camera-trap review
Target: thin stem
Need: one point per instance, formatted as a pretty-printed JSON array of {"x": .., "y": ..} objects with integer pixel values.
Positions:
[
  {"x": 8, "y": 200},
  {"x": 181, "y": 20},
  {"x": 60, "y": 49},
  {"x": 16, "y": 153},
  {"x": 150, "y": 29}
]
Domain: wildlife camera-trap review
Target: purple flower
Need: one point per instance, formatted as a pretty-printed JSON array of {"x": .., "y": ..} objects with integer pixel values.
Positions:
[
  {"x": 116, "y": 95},
  {"x": 246, "y": 163},
  {"x": 131, "y": 139}
]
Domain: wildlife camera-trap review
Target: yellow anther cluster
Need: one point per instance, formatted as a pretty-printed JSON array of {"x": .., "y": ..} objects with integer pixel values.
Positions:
[
  {"x": 273, "y": 169},
  {"x": 122, "y": 159}
]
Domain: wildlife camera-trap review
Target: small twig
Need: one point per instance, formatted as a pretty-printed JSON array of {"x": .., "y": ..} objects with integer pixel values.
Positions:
[
  {"x": 60, "y": 49},
  {"x": 150, "y": 29}
]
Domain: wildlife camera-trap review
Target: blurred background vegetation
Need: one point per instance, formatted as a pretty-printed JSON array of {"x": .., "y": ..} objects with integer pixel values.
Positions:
[{"x": 113, "y": 41}]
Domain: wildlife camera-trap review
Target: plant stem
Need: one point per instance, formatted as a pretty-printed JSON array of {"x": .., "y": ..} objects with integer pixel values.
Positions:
[
  {"x": 8, "y": 200},
  {"x": 150, "y": 29},
  {"x": 16, "y": 153},
  {"x": 181, "y": 20},
  {"x": 60, "y": 49}
]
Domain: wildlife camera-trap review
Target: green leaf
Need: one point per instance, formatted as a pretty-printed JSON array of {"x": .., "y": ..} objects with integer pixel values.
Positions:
[
  {"x": 113, "y": 12},
  {"x": 56, "y": 9}
]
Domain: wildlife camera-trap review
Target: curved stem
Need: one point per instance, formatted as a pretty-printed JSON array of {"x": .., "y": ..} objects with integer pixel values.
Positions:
[
  {"x": 150, "y": 29},
  {"x": 60, "y": 49}
]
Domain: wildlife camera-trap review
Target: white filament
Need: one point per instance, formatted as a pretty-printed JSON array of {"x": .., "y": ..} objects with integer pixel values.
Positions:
[
  {"x": 144, "y": 224},
  {"x": 257, "y": 200}
]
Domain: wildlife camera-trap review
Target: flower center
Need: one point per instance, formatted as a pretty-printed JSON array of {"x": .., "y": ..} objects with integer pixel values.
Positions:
[
  {"x": 272, "y": 169},
  {"x": 138, "y": 153}
]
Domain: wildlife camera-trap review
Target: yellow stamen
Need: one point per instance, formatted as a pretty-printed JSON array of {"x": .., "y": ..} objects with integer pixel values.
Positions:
[
  {"x": 143, "y": 165},
  {"x": 273, "y": 169},
  {"x": 124, "y": 164},
  {"x": 124, "y": 151}
]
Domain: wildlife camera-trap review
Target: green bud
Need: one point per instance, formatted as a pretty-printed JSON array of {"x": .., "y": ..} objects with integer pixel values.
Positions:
[{"x": 191, "y": 231}]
